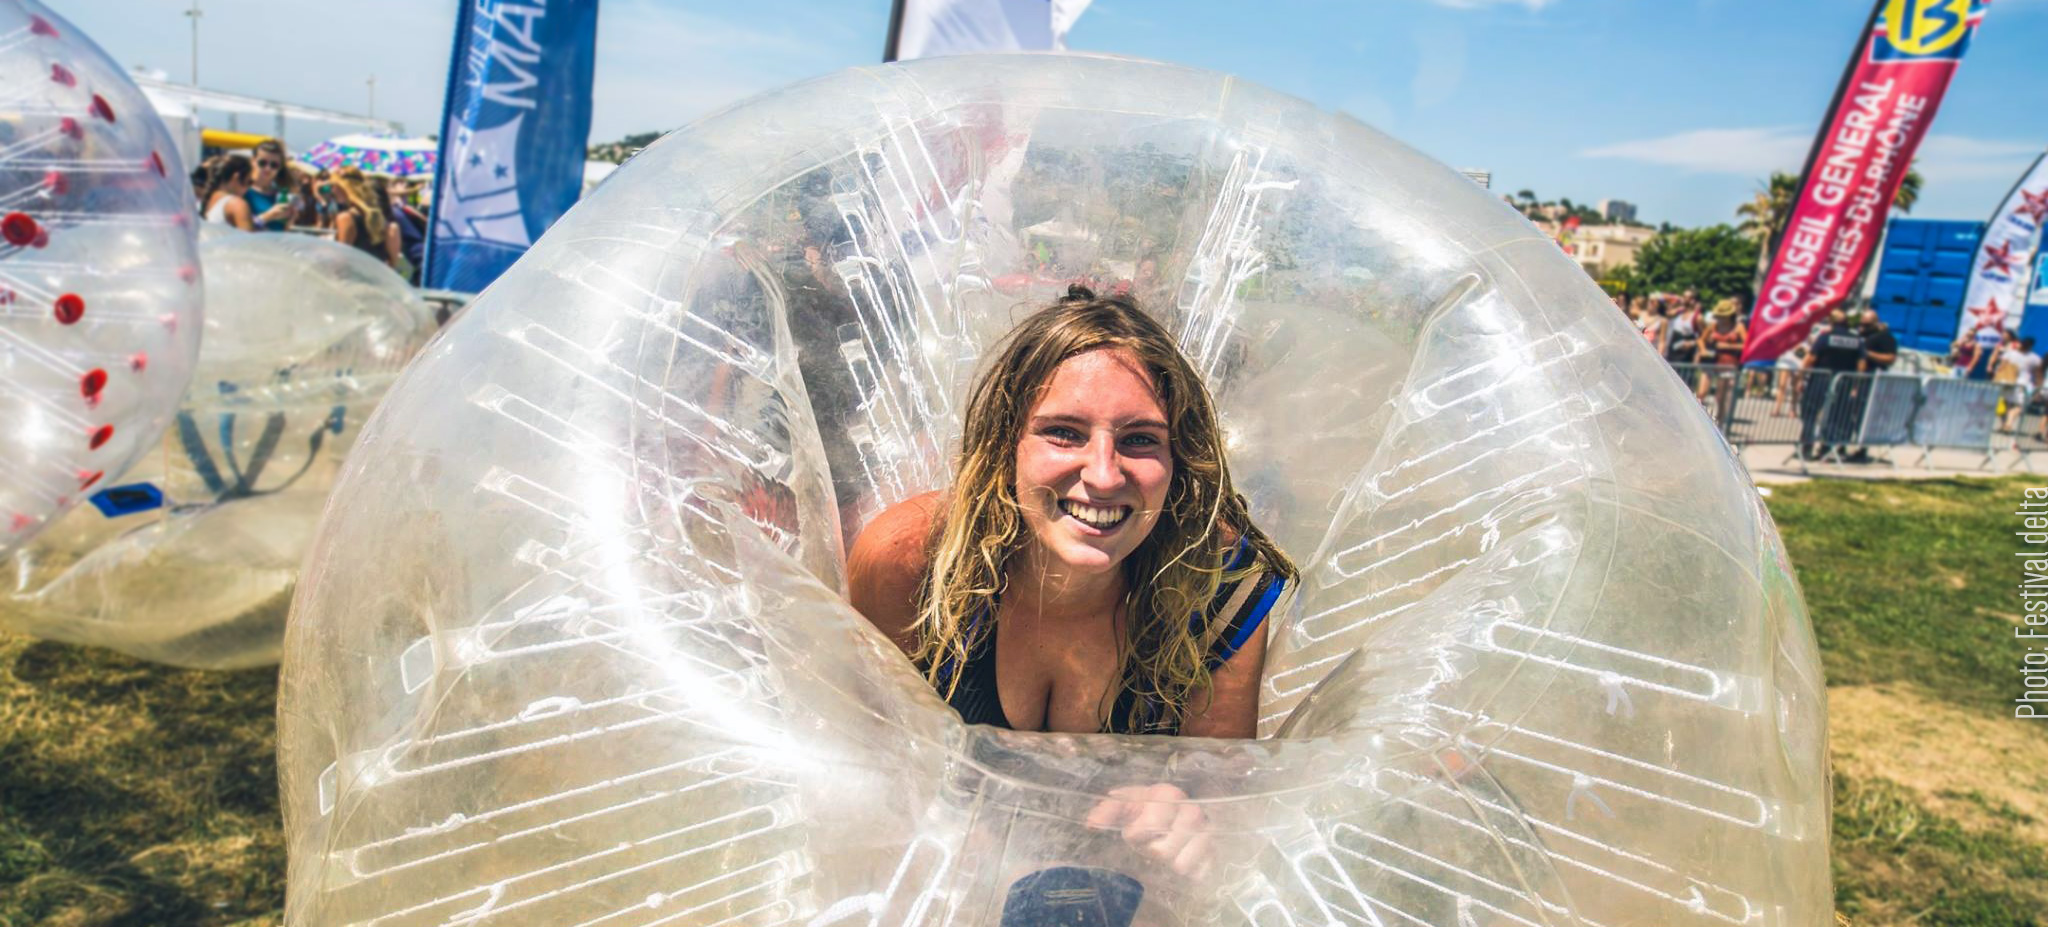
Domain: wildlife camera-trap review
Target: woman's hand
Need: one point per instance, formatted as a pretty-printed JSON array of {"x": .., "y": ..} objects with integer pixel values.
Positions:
[{"x": 1159, "y": 821}]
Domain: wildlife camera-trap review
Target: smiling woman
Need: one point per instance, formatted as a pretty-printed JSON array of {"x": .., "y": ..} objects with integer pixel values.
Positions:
[{"x": 1091, "y": 569}]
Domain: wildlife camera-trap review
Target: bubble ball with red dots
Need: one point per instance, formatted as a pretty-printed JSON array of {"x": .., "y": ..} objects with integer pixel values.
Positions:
[{"x": 99, "y": 279}]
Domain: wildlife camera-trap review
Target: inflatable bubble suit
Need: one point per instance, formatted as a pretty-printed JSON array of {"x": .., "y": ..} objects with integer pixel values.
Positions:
[
  {"x": 99, "y": 286},
  {"x": 571, "y": 646},
  {"x": 196, "y": 566}
]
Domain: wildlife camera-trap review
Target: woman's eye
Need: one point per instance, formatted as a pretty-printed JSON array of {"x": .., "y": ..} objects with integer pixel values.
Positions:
[
  {"x": 1142, "y": 440},
  {"x": 1063, "y": 434}
]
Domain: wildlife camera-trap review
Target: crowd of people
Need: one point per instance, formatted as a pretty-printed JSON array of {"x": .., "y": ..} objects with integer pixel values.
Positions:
[
  {"x": 1998, "y": 354},
  {"x": 264, "y": 191},
  {"x": 1706, "y": 348}
]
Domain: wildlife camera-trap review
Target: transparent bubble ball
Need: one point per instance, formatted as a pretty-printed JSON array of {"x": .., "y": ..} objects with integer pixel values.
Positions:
[
  {"x": 303, "y": 336},
  {"x": 571, "y": 646}
]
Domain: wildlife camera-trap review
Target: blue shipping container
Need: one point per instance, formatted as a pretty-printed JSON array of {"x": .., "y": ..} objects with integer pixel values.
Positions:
[{"x": 1921, "y": 279}]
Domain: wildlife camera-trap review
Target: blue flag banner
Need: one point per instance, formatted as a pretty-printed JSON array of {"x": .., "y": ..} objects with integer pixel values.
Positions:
[{"x": 516, "y": 130}]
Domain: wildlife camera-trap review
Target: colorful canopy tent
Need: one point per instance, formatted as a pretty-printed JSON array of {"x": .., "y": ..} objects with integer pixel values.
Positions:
[{"x": 390, "y": 155}]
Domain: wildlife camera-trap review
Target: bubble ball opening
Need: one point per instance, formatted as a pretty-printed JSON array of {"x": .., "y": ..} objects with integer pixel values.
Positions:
[{"x": 571, "y": 645}]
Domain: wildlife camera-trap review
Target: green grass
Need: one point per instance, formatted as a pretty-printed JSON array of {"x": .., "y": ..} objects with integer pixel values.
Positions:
[
  {"x": 1912, "y": 584},
  {"x": 138, "y": 795},
  {"x": 133, "y": 794},
  {"x": 1907, "y": 581}
]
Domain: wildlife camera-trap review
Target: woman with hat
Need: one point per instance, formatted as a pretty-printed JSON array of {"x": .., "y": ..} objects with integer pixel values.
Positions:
[{"x": 1721, "y": 345}]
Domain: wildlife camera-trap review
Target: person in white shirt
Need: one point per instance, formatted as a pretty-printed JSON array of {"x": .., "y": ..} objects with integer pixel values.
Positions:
[{"x": 2026, "y": 378}]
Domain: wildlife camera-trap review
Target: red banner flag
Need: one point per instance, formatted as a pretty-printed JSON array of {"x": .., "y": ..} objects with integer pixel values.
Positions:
[{"x": 1902, "y": 66}]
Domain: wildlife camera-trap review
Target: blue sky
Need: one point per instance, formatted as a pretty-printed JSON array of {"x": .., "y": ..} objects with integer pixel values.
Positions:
[{"x": 1679, "y": 106}]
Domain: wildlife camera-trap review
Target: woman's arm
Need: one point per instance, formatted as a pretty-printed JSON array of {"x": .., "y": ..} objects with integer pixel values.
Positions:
[
  {"x": 1232, "y": 709},
  {"x": 394, "y": 250},
  {"x": 345, "y": 228},
  {"x": 237, "y": 212},
  {"x": 887, "y": 564}
]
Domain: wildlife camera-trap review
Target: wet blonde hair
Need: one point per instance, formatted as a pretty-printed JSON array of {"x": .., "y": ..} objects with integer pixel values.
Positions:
[{"x": 1171, "y": 576}]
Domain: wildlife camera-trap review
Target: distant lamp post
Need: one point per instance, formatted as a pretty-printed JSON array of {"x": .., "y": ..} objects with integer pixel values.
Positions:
[
  {"x": 193, "y": 14},
  {"x": 373, "y": 95}
]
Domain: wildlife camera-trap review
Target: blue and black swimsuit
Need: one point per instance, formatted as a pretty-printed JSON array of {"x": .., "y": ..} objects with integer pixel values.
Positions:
[{"x": 1240, "y": 604}]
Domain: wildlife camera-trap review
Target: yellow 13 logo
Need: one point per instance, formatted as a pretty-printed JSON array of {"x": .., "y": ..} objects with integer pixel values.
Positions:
[{"x": 1926, "y": 27}]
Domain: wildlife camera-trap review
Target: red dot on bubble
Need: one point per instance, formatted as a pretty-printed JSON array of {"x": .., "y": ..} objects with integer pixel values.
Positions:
[
  {"x": 156, "y": 161},
  {"x": 42, "y": 239},
  {"x": 19, "y": 228},
  {"x": 70, "y": 308},
  {"x": 41, "y": 26},
  {"x": 138, "y": 362},
  {"x": 21, "y": 522},
  {"x": 101, "y": 108},
  {"x": 189, "y": 274},
  {"x": 90, "y": 385},
  {"x": 101, "y": 435},
  {"x": 70, "y": 126},
  {"x": 63, "y": 75},
  {"x": 88, "y": 477},
  {"x": 57, "y": 183}
]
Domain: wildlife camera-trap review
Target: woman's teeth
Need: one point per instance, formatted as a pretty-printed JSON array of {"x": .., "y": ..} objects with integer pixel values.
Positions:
[{"x": 1096, "y": 516}]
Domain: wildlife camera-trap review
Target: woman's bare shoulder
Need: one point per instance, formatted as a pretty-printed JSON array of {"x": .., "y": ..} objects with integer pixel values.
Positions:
[{"x": 887, "y": 564}]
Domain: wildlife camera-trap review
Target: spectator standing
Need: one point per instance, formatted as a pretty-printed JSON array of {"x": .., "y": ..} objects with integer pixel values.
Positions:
[
  {"x": 358, "y": 221},
  {"x": 1682, "y": 337},
  {"x": 1880, "y": 346},
  {"x": 269, "y": 195},
  {"x": 2025, "y": 379},
  {"x": 224, "y": 202},
  {"x": 1880, "y": 351},
  {"x": 1652, "y": 327},
  {"x": 411, "y": 226},
  {"x": 1839, "y": 350},
  {"x": 1976, "y": 354},
  {"x": 1721, "y": 345}
]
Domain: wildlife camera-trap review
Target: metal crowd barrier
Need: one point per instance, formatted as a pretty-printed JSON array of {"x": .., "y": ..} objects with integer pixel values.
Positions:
[{"x": 1827, "y": 412}]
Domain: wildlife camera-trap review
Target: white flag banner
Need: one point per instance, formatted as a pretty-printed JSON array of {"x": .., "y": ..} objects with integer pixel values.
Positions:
[
  {"x": 930, "y": 28},
  {"x": 2002, "y": 274}
]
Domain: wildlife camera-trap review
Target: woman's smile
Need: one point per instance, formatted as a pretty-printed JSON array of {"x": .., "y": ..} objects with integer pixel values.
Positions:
[{"x": 1098, "y": 518}]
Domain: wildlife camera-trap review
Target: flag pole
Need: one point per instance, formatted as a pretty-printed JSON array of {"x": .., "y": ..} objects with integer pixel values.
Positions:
[{"x": 889, "y": 48}]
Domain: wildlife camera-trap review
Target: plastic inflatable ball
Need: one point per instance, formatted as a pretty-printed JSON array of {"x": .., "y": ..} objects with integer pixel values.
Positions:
[
  {"x": 99, "y": 288},
  {"x": 571, "y": 646},
  {"x": 303, "y": 337}
]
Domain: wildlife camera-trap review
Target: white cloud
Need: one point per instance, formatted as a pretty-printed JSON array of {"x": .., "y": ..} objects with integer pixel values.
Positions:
[
  {"x": 1753, "y": 152},
  {"x": 1960, "y": 157}
]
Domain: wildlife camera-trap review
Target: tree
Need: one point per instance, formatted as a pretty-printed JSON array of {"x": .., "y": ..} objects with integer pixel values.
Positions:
[
  {"x": 1909, "y": 189},
  {"x": 1716, "y": 261},
  {"x": 1764, "y": 218},
  {"x": 617, "y": 152}
]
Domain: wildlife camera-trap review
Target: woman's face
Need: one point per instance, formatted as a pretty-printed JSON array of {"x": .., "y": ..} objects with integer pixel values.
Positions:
[{"x": 1094, "y": 464}]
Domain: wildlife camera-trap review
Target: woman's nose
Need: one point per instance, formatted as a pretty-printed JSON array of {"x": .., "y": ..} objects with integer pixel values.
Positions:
[{"x": 1102, "y": 471}]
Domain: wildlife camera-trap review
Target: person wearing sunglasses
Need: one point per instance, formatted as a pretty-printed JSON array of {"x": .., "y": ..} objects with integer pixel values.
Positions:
[{"x": 269, "y": 193}]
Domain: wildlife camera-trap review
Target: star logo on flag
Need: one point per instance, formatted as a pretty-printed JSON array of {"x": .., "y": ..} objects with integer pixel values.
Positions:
[
  {"x": 1999, "y": 259},
  {"x": 1988, "y": 316},
  {"x": 2034, "y": 205},
  {"x": 482, "y": 201}
]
